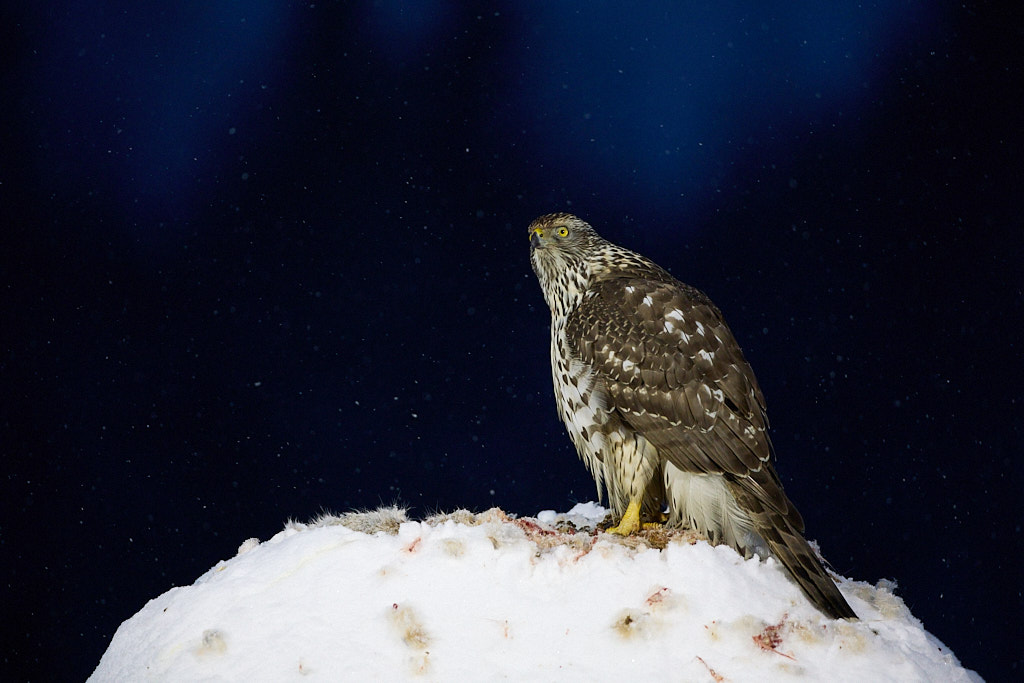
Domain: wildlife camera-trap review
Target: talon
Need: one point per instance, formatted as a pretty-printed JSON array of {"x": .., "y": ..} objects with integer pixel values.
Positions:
[{"x": 630, "y": 522}]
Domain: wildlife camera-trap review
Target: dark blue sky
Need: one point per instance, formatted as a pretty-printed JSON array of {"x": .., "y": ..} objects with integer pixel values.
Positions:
[{"x": 265, "y": 259}]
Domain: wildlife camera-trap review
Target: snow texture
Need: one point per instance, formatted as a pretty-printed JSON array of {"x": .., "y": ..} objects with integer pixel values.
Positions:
[{"x": 488, "y": 597}]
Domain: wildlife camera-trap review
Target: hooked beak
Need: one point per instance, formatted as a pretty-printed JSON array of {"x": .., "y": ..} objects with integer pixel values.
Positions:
[{"x": 536, "y": 241}]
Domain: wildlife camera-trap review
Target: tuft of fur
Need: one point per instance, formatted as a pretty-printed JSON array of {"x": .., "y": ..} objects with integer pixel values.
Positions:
[
  {"x": 385, "y": 519},
  {"x": 459, "y": 516}
]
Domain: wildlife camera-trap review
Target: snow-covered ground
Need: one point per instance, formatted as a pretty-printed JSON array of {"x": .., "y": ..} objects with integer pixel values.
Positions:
[{"x": 464, "y": 597}]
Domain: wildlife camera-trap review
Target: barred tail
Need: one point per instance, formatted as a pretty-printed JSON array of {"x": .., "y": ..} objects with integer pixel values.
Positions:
[
  {"x": 797, "y": 556},
  {"x": 777, "y": 521}
]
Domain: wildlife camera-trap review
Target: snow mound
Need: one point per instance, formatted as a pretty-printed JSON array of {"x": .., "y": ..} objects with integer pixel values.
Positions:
[{"x": 463, "y": 596}]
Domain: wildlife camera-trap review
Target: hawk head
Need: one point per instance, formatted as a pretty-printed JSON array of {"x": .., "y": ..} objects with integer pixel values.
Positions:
[
  {"x": 562, "y": 232},
  {"x": 561, "y": 247}
]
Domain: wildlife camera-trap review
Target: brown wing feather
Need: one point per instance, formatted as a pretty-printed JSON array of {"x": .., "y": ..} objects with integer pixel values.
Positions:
[{"x": 673, "y": 369}]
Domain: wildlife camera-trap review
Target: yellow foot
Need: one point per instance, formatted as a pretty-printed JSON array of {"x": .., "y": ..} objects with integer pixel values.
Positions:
[{"x": 630, "y": 522}]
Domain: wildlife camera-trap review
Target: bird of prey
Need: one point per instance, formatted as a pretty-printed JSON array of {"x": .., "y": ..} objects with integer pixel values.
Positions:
[{"x": 661, "y": 404}]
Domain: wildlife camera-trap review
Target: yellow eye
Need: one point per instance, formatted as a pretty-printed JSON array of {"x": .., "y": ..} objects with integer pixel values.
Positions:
[{"x": 563, "y": 231}]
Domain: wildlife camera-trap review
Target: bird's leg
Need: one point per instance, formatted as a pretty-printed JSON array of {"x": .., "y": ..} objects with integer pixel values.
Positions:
[{"x": 630, "y": 522}]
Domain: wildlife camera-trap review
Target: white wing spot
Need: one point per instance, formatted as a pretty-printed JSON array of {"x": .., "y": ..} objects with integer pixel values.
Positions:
[
  {"x": 704, "y": 354},
  {"x": 700, "y": 329},
  {"x": 628, "y": 365},
  {"x": 648, "y": 301},
  {"x": 669, "y": 327},
  {"x": 630, "y": 289},
  {"x": 675, "y": 314}
]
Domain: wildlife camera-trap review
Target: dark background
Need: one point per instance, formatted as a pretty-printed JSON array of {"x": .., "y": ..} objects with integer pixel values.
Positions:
[{"x": 265, "y": 259}]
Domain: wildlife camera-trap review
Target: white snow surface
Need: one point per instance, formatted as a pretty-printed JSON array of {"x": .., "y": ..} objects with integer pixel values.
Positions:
[{"x": 488, "y": 597}]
